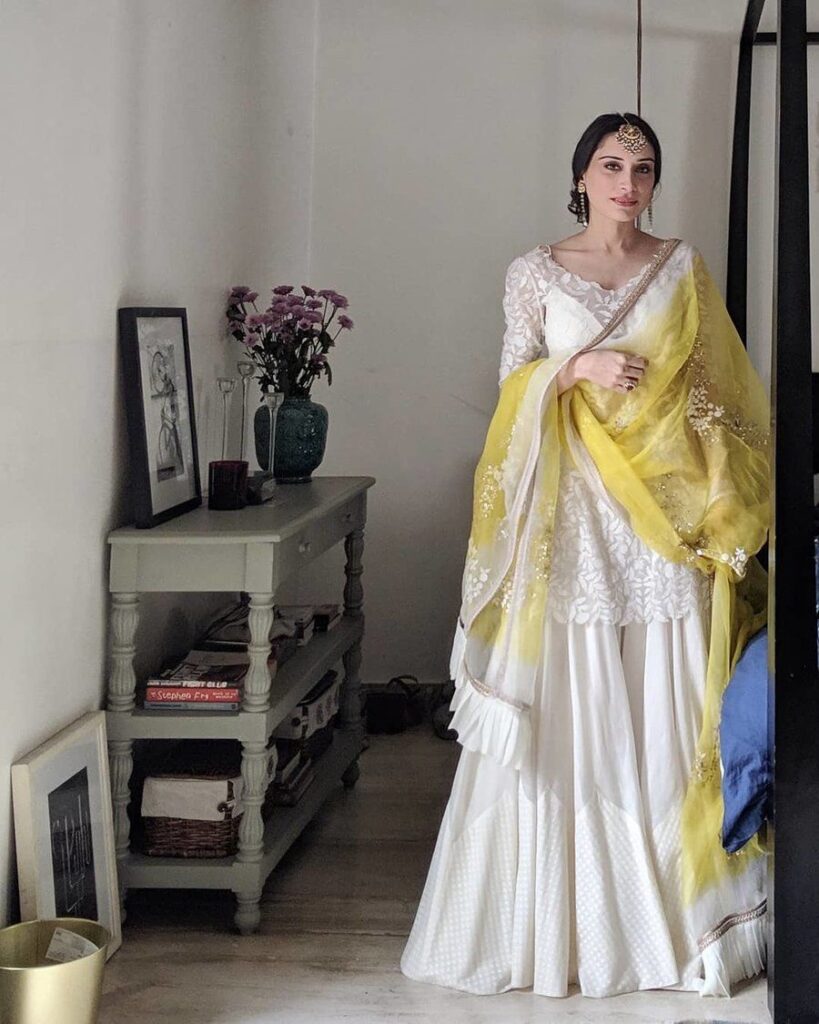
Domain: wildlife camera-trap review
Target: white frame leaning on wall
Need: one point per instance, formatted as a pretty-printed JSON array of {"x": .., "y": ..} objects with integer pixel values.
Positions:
[{"x": 81, "y": 745}]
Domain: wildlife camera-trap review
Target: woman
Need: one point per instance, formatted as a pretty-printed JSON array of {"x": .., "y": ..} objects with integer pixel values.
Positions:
[{"x": 609, "y": 587}]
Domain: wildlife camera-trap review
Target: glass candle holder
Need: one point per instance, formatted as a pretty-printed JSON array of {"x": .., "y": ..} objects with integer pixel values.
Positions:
[
  {"x": 245, "y": 368},
  {"x": 227, "y": 478},
  {"x": 262, "y": 485}
]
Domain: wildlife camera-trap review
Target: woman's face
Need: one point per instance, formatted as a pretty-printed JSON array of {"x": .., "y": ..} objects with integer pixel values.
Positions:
[{"x": 619, "y": 184}]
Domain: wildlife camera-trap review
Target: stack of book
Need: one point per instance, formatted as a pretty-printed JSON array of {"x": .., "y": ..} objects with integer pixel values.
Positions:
[
  {"x": 294, "y": 773},
  {"x": 231, "y": 632},
  {"x": 203, "y": 680}
]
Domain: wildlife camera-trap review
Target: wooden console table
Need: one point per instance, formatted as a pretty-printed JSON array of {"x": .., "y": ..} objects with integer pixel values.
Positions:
[{"x": 252, "y": 550}]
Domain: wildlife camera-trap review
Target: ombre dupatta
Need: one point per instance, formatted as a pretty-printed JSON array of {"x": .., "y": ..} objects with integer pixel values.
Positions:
[{"x": 686, "y": 454}]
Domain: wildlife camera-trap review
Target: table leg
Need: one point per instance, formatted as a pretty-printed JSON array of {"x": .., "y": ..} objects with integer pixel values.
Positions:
[
  {"x": 256, "y": 773},
  {"x": 350, "y": 708},
  {"x": 121, "y": 690},
  {"x": 248, "y": 915},
  {"x": 257, "y": 680}
]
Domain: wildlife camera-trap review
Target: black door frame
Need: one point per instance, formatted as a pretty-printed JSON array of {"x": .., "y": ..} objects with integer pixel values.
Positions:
[{"x": 793, "y": 679}]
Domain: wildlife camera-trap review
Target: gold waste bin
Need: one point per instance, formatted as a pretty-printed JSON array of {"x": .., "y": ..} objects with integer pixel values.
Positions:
[{"x": 34, "y": 990}]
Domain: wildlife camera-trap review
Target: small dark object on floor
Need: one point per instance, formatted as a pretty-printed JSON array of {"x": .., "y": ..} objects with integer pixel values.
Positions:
[
  {"x": 441, "y": 717},
  {"x": 395, "y": 707}
]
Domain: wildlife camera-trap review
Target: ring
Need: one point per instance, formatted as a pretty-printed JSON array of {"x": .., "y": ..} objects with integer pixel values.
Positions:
[{"x": 630, "y": 385}]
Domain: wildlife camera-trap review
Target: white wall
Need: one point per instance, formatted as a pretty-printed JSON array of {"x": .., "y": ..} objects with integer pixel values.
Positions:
[
  {"x": 161, "y": 150},
  {"x": 444, "y": 135},
  {"x": 762, "y": 192},
  {"x": 154, "y": 152}
]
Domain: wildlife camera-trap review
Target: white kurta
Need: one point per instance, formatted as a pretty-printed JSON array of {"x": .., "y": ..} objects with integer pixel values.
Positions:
[{"x": 567, "y": 871}]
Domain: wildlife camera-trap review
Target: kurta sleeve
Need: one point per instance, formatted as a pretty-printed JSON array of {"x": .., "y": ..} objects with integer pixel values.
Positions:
[{"x": 523, "y": 337}]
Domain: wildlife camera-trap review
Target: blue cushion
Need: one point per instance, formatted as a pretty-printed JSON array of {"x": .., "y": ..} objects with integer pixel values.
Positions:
[{"x": 743, "y": 735}]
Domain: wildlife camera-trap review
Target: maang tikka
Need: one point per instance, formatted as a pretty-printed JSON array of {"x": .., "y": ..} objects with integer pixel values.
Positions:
[{"x": 631, "y": 137}]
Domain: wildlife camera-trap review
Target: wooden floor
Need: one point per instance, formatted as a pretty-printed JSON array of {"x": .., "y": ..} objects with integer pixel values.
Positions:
[{"x": 335, "y": 917}]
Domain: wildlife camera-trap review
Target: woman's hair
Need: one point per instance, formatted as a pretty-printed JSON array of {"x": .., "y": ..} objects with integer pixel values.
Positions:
[{"x": 601, "y": 126}]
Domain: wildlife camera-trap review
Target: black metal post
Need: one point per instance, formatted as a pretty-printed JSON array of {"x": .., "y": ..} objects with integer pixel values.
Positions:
[
  {"x": 736, "y": 290},
  {"x": 793, "y": 877}
]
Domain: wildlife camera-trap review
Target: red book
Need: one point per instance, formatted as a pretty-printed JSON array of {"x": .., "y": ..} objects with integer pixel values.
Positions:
[{"x": 162, "y": 694}]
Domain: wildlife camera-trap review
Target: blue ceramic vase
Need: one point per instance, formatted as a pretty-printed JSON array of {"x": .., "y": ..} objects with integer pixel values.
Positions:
[{"x": 301, "y": 437}]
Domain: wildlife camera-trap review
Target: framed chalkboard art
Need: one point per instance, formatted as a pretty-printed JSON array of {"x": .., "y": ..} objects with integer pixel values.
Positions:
[
  {"x": 164, "y": 462},
  {"x": 66, "y": 860}
]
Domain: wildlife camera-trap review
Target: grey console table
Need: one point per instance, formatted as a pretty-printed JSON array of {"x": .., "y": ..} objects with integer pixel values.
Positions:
[{"x": 252, "y": 550}]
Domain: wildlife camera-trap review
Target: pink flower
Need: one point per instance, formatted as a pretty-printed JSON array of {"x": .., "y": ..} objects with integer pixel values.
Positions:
[
  {"x": 239, "y": 291},
  {"x": 326, "y": 293},
  {"x": 340, "y": 301},
  {"x": 313, "y": 304},
  {"x": 345, "y": 321},
  {"x": 283, "y": 289},
  {"x": 254, "y": 321},
  {"x": 308, "y": 290},
  {"x": 251, "y": 297}
]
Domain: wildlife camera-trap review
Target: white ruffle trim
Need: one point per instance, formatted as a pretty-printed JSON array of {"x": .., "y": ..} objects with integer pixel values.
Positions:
[
  {"x": 484, "y": 723},
  {"x": 738, "y": 954}
]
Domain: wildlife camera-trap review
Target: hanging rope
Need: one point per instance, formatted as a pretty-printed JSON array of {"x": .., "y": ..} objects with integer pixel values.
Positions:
[{"x": 639, "y": 56}]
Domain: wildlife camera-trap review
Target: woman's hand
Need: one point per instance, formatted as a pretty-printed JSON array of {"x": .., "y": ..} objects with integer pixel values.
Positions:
[{"x": 610, "y": 368}]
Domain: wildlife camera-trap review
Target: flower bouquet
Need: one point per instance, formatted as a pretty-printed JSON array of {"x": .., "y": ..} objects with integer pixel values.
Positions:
[{"x": 287, "y": 343}]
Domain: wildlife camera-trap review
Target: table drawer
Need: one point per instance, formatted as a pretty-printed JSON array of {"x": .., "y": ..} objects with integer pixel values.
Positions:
[{"x": 318, "y": 536}]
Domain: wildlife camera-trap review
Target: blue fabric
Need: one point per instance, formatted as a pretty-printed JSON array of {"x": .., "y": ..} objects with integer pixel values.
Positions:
[{"x": 743, "y": 736}]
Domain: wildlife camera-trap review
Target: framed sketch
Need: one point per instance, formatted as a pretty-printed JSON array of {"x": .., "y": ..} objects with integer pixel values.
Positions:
[
  {"x": 159, "y": 405},
  {"x": 66, "y": 859}
]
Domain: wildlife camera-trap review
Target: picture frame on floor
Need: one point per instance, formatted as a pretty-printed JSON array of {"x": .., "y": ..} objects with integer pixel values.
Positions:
[
  {"x": 164, "y": 455},
  {"x": 63, "y": 821}
]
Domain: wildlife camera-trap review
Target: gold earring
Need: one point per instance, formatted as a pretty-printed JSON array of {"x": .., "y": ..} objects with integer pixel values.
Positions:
[{"x": 584, "y": 217}]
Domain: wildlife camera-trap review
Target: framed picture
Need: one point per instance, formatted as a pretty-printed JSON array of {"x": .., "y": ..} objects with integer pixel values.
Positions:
[
  {"x": 66, "y": 859},
  {"x": 159, "y": 405}
]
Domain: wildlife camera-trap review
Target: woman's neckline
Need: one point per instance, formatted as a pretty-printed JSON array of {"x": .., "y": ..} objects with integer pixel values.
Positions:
[{"x": 546, "y": 249}]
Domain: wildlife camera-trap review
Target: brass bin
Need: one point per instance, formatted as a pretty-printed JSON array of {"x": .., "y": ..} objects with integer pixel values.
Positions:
[{"x": 34, "y": 990}]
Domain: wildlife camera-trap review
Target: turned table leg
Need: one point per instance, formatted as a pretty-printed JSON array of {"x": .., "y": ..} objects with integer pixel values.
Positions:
[
  {"x": 248, "y": 915},
  {"x": 350, "y": 709},
  {"x": 121, "y": 690},
  {"x": 256, "y": 758}
]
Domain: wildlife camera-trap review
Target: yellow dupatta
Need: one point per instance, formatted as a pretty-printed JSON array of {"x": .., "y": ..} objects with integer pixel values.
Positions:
[{"x": 686, "y": 454}]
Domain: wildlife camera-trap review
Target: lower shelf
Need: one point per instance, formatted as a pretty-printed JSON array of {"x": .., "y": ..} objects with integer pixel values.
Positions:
[{"x": 285, "y": 823}]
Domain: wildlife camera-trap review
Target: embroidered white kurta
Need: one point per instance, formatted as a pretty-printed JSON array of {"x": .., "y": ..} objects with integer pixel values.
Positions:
[{"x": 567, "y": 871}]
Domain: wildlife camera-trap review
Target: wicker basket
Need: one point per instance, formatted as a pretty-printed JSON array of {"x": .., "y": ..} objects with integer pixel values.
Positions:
[{"x": 189, "y": 837}]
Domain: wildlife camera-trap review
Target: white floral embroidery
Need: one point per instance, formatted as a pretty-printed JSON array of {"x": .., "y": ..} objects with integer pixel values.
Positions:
[
  {"x": 737, "y": 561},
  {"x": 490, "y": 483},
  {"x": 703, "y": 414},
  {"x": 529, "y": 281},
  {"x": 476, "y": 576},
  {"x": 602, "y": 571},
  {"x": 523, "y": 337}
]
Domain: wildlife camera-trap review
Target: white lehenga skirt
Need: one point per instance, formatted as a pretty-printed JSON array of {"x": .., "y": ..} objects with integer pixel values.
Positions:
[{"x": 567, "y": 871}]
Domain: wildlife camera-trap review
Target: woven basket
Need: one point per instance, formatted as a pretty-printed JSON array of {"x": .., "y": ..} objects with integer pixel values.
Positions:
[{"x": 186, "y": 837}]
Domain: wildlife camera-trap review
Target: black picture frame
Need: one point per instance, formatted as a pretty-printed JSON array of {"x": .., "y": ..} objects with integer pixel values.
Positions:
[{"x": 164, "y": 454}]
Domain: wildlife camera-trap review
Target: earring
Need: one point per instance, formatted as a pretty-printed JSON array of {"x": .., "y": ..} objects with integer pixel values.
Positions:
[
  {"x": 584, "y": 217},
  {"x": 654, "y": 195}
]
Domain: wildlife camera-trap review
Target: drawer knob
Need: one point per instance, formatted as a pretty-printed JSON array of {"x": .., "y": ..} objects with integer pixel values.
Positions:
[{"x": 304, "y": 547}]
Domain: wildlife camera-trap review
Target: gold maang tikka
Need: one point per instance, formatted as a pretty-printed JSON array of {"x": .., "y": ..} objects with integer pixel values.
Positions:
[{"x": 631, "y": 137}]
